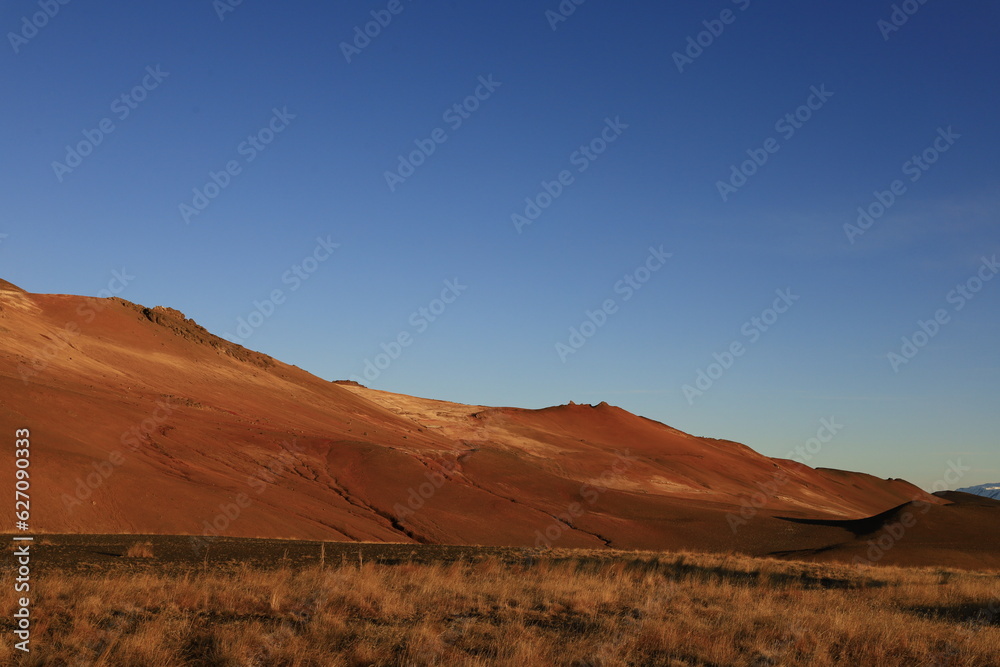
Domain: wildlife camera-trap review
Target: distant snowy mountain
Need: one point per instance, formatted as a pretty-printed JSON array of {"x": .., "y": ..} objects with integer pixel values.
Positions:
[{"x": 988, "y": 490}]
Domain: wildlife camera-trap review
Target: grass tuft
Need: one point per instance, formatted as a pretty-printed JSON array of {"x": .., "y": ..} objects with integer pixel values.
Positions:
[{"x": 140, "y": 550}]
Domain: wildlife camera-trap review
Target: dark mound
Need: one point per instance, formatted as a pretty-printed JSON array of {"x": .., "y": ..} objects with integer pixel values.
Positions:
[{"x": 962, "y": 498}]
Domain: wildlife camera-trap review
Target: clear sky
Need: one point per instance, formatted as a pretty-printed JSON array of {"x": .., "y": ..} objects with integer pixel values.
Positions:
[{"x": 652, "y": 125}]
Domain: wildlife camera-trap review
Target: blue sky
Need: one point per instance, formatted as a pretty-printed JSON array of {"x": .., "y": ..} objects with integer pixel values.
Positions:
[{"x": 641, "y": 145}]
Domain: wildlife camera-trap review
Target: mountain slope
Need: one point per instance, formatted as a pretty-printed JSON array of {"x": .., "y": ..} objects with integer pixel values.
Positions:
[
  {"x": 986, "y": 490},
  {"x": 143, "y": 421}
]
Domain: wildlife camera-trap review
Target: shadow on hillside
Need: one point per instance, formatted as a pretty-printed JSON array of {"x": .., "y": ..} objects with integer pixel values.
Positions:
[
  {"x": 961, "y": 613},
  {"x": 857, "y": 527}
]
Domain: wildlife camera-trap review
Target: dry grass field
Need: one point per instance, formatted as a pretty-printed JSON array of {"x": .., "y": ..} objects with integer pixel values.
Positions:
[{"x": 585, "y": 608}]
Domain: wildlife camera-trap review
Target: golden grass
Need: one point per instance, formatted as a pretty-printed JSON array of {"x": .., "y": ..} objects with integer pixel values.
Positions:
[
  {"x": 140, "y": 550},
  {"x": 565, "y": 608}
]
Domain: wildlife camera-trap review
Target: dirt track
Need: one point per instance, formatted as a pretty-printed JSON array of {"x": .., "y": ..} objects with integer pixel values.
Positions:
[{"x": 98, "y": 552}]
